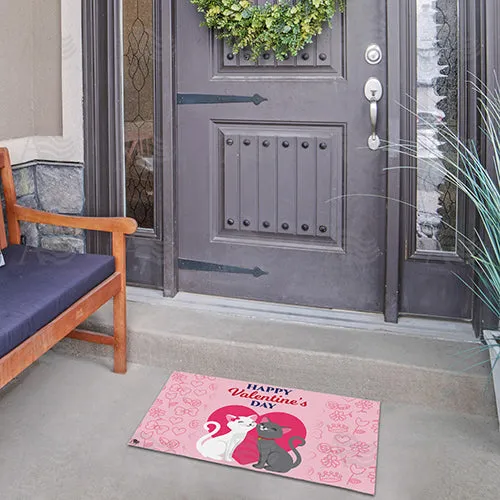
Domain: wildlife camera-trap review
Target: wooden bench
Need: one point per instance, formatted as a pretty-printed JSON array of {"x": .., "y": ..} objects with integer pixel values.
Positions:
[{"x": 45, "y": 295}]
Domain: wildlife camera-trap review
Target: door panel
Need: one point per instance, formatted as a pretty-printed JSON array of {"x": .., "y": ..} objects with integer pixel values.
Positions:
[
  {"x": 281, "y": 180},
  {"x": 287, "y": 185}
]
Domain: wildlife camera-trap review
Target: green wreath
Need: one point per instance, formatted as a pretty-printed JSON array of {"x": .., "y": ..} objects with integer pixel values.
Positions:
[{"x": 284, "y": 27}]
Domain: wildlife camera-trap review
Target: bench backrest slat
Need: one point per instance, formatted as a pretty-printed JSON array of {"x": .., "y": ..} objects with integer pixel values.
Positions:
[{"x": 9, "y": 191}]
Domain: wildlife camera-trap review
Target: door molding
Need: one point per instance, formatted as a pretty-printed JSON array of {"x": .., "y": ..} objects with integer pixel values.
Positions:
[
  {"x": 100, "y": 92},
  {"x": 166, "y": 88},
  {"x": 395, "y": 49}
]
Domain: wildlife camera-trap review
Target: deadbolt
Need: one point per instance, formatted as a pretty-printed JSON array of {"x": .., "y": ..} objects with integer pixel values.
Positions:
[{"x": 373, "y": 54}]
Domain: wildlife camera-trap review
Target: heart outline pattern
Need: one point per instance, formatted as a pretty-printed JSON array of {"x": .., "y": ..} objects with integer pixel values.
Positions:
[{"x": 341, "y": 447}]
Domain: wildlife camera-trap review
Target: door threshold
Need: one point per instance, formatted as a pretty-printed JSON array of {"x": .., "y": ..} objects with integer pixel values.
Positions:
[{"x": 421, "y": 327}]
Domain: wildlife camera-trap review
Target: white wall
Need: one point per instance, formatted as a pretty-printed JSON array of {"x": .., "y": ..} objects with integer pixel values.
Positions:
[
  {"x": 16, "y": 61},
  {"x": 52, "y": 121}
]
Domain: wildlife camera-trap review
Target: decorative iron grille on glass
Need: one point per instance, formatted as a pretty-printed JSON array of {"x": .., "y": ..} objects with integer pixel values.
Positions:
[
  {"x": 437, "y": 106},
  {"x": 138, "y": 86}
]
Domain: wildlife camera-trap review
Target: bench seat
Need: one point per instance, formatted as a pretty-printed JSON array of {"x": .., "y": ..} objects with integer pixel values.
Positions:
[{"x": 37, "y": 285}]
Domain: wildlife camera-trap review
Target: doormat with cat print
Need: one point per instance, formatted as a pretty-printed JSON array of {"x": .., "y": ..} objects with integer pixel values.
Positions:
[{"x": 326, "y": 439}]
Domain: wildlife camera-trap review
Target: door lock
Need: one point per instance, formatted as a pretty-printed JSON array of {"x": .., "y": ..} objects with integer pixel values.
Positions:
[
  {"x": 373, "y": 54},
  {"x": 373, "y": 93}
]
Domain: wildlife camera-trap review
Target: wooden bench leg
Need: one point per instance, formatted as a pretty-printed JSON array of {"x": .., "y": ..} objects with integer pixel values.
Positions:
[
  {"x": 120, "y": 332},
  {"x": 120, "y": 307}
]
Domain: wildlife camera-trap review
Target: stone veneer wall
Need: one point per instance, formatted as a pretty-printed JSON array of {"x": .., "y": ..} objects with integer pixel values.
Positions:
[{"x": 53, "y": 187}]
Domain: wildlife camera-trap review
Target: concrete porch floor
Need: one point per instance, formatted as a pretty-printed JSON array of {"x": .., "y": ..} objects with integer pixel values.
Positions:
[{"x": 65, "y": 423}]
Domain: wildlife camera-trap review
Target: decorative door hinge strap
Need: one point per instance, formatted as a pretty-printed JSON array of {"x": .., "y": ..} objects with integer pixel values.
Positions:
[
  {"x": 218, "y": 99},
  {"x": 196, "y": 265}
]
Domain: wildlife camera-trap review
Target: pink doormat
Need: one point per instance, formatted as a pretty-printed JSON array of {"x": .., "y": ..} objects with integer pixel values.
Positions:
[{"x": 316, "y": 437}]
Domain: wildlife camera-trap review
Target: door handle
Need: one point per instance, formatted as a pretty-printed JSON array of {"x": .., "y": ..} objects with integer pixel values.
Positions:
[{"x": 373, "y": 93}]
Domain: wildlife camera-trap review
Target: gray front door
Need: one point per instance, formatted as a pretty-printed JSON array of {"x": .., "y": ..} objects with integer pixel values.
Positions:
[{"x": 282, "y": 201}]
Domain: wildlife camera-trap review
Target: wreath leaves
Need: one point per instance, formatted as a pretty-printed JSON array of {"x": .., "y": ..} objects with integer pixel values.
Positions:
[{"x": 285, "y": 27}]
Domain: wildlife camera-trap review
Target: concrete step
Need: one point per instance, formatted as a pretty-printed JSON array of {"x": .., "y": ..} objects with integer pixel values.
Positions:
[
  {"x": 376, "y": 361},
  {"x": 65, "y": 422}
]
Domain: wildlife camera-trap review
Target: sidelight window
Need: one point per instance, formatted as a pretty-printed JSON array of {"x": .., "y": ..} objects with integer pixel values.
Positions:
[
  {"x": 437, "y": 98},
  {"x": 138, "y": 110}
]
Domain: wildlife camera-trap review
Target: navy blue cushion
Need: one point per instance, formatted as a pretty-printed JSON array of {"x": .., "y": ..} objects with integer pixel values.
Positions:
[{"x": 37, "y": 285}]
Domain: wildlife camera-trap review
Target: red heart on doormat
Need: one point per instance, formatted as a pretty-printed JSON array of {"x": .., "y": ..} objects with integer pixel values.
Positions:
[{"x": 247, "y": 452}]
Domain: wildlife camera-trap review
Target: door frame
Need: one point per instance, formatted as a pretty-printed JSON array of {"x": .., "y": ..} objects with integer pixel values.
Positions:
[
  {"x": 490, "y": 72},
  {"x": 103, "y": 139},
  {"x": 416, "y": 266},
  {"x": 401, "y": 63}
]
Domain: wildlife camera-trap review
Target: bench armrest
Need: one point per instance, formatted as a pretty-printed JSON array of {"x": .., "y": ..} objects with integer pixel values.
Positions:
[{"x": 124, "y": 225}]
